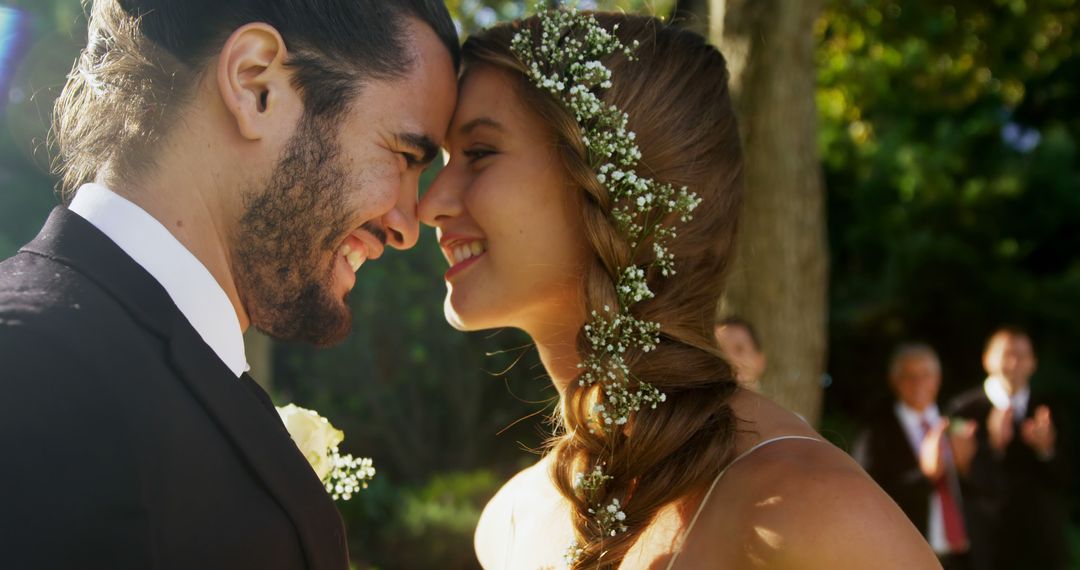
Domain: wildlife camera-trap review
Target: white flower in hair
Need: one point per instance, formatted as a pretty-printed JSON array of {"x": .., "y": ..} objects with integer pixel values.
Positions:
[{"x": 565, "y": 58}]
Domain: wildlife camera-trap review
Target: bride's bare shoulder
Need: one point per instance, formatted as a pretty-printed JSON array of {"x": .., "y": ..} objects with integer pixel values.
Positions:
[{"x": 797, "y": 503}]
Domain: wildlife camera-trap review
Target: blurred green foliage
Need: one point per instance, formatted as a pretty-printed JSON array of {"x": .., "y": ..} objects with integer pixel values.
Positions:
[
  {"x": 419, "y": 526},
  {"x": 949, "y": 136}
]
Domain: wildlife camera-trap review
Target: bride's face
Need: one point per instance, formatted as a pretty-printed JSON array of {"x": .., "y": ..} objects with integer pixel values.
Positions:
[{"x": 505, "y": 216}]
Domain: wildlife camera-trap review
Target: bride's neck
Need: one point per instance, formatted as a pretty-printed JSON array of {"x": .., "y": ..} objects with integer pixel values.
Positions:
[{"x": 559, "y": 354}]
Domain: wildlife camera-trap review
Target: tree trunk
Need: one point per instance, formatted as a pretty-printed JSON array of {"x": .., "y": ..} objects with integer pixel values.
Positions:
[{"x": 780, "y": 278}]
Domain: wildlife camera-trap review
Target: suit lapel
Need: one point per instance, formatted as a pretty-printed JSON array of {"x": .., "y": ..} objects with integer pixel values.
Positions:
[
  {"x": 898, "y": 439},
  {"x": 260, "y": 437},
  {"x": 245, "y": 417}
]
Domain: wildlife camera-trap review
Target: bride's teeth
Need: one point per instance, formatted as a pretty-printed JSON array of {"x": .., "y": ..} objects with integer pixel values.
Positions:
[
  {"x": 345, "y": 250},
  {"x": 465, "y": 252},
  {"x": 355, "y": 260}
]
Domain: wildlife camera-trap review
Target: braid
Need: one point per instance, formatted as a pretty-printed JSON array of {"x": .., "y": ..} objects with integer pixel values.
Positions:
[
  {"x": 580, "y": 448},
  {"x": 642, "y": 485},
  {"x": 688, "y": 137}
]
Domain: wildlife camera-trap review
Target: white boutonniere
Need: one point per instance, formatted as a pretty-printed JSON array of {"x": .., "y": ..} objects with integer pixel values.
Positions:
[{"x": 318, "y": 440}]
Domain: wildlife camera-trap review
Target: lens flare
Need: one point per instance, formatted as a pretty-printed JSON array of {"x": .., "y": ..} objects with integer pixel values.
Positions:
[{"x": 12, "y": 42}]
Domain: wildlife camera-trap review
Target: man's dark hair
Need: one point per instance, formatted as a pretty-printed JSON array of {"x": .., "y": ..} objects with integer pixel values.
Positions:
[
  {"x": 143, "y": 58},
  {"x": 1009, "y": 330}
]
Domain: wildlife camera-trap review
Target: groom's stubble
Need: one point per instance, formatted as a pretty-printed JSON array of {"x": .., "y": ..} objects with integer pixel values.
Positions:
[{"x": 284, "y": 248}]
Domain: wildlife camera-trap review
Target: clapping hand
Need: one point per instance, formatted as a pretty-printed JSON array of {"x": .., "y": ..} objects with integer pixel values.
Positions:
[
  {"x": 931, "y": 458},
  {"x": 962, "y": 438},
  {"x": 1038, "y": 432}
]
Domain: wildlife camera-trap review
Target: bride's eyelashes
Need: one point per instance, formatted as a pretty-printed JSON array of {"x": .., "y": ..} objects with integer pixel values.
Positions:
[{"x": 478, "y": 153}]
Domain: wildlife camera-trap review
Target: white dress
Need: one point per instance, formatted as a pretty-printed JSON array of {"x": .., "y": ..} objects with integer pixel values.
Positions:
[{"x": 512, "y": 526}]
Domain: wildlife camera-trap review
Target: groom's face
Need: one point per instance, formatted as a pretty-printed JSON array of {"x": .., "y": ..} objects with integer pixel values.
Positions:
[{"x": 342, "y": 190}]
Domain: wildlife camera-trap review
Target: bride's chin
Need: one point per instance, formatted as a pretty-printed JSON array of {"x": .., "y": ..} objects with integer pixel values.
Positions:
[
  {"x": 452, "y": 316},
  {"x": 469, "y": 319}
]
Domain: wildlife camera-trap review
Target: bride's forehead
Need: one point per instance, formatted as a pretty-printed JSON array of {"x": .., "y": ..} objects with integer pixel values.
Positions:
[{"x": 489, "y": 96}]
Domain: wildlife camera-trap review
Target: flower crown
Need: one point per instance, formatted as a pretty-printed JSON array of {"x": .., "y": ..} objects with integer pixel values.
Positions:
[{"x": 567, "y": 62}]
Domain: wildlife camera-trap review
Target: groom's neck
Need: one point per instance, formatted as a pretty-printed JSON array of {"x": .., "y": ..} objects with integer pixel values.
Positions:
[{"x": 186, "y": 193}]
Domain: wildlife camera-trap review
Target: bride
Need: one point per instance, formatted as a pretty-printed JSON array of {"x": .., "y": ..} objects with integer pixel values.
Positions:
[{"x": 602, "y": 227}]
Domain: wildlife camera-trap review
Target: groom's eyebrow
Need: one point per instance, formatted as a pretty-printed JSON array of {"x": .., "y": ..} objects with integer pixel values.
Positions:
[{"x": 423, "y": 144}]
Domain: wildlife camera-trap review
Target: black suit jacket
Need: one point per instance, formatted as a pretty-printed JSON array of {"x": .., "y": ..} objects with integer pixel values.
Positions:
[
  {"x": 883, "y": 450},
  {"x": 127, "y": 442},
  {"x": 1016, "y": 500}
]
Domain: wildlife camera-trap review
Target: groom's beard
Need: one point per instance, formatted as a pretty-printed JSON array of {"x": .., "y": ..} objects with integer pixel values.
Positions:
[{"x": 285, "y": 247}]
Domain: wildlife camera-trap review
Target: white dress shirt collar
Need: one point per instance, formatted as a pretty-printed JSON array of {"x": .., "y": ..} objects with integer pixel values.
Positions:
[
  {"x": 912, "y": 420},
  {"x": 187, "y": 281},
  {"x": 998, "y": 394}
]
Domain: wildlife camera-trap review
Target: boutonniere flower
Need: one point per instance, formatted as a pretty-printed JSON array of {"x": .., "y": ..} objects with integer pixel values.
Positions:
[{"x": 318, "y": 440}]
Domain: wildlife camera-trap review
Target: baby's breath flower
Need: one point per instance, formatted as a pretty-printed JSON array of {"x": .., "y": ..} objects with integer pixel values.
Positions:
[
  {"x": 573, "y": 553},
  {"x": 608, "y": 518},
  {"x": 341, "y": 475},
  {"x": 566, "y": 59},
  {"x": 350, "y": 474}
]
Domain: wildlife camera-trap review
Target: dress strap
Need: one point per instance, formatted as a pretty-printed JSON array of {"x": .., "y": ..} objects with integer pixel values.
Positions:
[{"x": 704, "y": 501}]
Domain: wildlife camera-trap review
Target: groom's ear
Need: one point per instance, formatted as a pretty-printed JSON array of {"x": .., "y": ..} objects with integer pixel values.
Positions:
[{"x": 254, "y": 83}]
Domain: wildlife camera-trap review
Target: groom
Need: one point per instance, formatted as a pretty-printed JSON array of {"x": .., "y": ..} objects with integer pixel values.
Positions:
[{"x": 226, "y": 163}]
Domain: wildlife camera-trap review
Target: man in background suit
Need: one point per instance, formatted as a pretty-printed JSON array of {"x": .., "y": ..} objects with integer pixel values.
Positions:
[
  {"x": 1016, "y": 491},
  {"x": 232, "y": 162},
  {"x": 910, "y": 450}
]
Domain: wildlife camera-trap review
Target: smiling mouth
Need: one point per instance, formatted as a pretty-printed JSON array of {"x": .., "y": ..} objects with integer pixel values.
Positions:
[
  {"x": 462, "y": 251},
  {"x": 354, "y": 257},
  {"x": 359, "y": 247}
]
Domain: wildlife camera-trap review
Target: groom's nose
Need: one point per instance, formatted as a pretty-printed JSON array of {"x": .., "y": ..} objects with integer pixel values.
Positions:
[{"x": 401, "y": 224}]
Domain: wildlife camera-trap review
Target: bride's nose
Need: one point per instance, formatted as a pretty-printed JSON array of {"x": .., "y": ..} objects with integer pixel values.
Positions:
[{"x": 443, "y": 199}]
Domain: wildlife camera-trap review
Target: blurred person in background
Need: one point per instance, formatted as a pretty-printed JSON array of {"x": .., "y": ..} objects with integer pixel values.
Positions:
[
  {"x": 917, "y": 456},
  {"x": 1017, "y": 487},
  {"x": 741, "y": 345}
]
